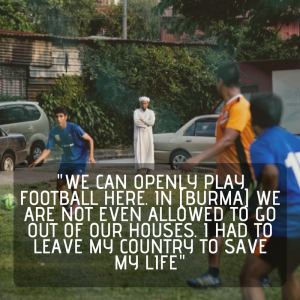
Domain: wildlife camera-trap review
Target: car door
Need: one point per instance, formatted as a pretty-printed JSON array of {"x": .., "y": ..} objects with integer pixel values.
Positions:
[
  {"x": 200, "y": 136},
  {"x": 3, "y": 142}
]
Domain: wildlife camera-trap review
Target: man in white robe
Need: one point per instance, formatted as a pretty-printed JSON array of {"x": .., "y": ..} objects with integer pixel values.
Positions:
[{"x": 144, "y": 119}]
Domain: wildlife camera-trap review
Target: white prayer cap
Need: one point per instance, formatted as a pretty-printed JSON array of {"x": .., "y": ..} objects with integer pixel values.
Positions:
[{"x": 144, "y": 99}]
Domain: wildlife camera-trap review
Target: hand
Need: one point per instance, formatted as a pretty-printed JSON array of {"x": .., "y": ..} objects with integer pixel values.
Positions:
[
  {"x": 189, "y": 165},
  {"x": 92, "y": 161},
  {"x": 30, "y": 167},
  {"x": 142, "y": 120}
]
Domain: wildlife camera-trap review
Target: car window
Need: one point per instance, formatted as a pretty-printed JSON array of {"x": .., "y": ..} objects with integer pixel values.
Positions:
[
  {"x": 2, "y": 116},
  {"x": 16, "y": 114},
  {"x": 205, "y": 128},
  {"x": 33, "y": 112},
  {"x": 190, "y": 131}
]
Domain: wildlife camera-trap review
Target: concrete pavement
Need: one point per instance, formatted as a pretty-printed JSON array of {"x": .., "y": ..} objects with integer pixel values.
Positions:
[{"x": 102, "y": 154}]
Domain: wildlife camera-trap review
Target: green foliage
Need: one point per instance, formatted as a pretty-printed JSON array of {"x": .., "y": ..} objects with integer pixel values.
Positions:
[
  {"x": 176, "y": 79},
  {"x": 8, "y": 97},
  {"x": 268, "y": 47},
  {"x": 64, "y": 17},
  {"x": 82, "y": 110},
  {"x": 142, "y": 22},
  {"x": 14, "y": 15},
  {"x": 258, "y": 13},
  {"x": 250, "y": 28},
  {"x": 67, "y": 88}
]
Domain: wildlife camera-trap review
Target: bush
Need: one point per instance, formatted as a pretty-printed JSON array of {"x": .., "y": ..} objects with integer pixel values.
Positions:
[
  {"x": 180, "y": 81},
  {"x": 84, "y": 112},
  {"x": 8, "y": 97},
  {"x": 67, "y": 88}
]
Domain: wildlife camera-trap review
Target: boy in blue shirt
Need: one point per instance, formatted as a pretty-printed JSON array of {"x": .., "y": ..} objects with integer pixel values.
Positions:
[
  {"x": 71, "y": 138},
  {"x": 275, "y": 157}
]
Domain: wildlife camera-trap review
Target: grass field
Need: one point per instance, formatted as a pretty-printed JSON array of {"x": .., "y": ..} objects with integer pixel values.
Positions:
[{"x": 90, "y": 269}]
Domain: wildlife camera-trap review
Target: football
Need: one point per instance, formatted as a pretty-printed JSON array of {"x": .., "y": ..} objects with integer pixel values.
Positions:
[{"x": 8, "y": 201}]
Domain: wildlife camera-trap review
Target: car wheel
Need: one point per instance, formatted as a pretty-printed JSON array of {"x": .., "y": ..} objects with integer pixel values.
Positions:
[
  {"x": 35, "y": 152},
  {"x": 177, "y": 158},
  {"x": 7, "y": 163}
]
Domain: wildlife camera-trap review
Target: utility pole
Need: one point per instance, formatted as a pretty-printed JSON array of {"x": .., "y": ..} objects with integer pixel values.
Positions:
[{"x": 124, "y": 23}]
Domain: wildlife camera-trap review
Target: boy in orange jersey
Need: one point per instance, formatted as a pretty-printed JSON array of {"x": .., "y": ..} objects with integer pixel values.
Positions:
[{"x": 234, "y": 137}]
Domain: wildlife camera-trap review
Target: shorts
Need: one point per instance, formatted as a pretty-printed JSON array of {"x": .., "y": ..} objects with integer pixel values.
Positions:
[
  {"x": 252, "y": 187},
  {"x": 68, "y": 169},
  {"x": 281, "y": 253}
]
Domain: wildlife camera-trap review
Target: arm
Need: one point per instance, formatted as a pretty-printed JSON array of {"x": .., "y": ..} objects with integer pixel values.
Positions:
[
  {"x": 44, "y": 154},
  {"x": 91, "y": 142},
  {"x": 269, "y": 180},
  {"x": 263, "y": 165},
  {"x": 151, "y": 121},
  {"x": 137, "y": 121},
  {"x": 269, "y": 177},
  {"x": 221, "y": 145}
]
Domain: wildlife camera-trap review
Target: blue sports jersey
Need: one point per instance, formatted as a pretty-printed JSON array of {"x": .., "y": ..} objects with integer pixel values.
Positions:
[
  {"x": 71, "y": 141},
  {"x": 280, "y": 147}
]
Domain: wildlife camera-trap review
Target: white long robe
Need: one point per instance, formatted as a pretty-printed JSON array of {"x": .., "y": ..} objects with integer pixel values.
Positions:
[{"x": 143, "y": 138}]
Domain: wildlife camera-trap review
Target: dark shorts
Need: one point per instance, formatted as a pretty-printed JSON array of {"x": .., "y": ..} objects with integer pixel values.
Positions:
[
  {"x": 68, "y": 169},
  {"x": 282, "y": 253},
  {"x": 252, "y": 187}
]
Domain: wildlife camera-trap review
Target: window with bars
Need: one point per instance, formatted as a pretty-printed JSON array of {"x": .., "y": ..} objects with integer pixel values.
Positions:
[{"x": 13, "y": 81}]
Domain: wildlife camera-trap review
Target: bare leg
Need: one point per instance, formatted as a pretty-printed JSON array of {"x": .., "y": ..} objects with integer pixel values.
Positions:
[
  {"x": 214, "y": 259},
  {"x": 252, "y": 273},
  {"x": 291, "y": 289},
  {"x": 138, "y": 171},
  {"x": 61, "y": 186},
  {"x": 148, "y": 171},
  {"x": 76, "y": 190}
]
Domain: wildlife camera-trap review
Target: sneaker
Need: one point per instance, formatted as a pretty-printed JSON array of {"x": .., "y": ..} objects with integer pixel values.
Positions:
[
  {"x": 265, "y": 282},
  {"x": 74, "y": 207},
  {"x": 66, "y": 212},
  {"x": 205, "y": 280}
]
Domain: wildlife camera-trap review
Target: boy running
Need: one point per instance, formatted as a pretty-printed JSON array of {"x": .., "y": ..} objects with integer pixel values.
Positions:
[
  {"x": 71, "y": 138},
  {"x": 275, "y": 157}
]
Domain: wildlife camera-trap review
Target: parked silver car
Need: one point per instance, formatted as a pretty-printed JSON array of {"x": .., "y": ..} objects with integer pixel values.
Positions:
[
  {"x": 12, "y": 150},
  {"x": 191, "y": 139},
  {"x": 29, "y": 119}
]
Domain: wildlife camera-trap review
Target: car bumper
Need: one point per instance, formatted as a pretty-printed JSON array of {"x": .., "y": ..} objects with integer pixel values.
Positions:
[
  {"x": 21, "y": 156},
  {"x": 162, "y": 156}
]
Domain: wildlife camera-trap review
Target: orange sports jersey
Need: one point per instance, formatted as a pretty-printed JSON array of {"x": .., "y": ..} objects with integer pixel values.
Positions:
[{"x": 235, "y": 160}]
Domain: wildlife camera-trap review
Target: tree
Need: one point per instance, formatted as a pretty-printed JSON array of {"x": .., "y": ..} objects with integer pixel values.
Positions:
[
  {"x": 259, "y": 14},
  {"x": 250, "y": 27},
  {"x": 15, "y": 15},
  {"x": 143, "y": 23},
  {"x": 64, "y": 17}
]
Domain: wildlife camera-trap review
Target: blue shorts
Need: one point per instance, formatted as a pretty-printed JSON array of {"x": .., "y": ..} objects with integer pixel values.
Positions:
[{"x": 71, "y": 169}]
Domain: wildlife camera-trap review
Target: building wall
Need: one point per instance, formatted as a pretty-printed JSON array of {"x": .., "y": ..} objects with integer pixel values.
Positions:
[
  {"x": 29, "y": 66},
  {"x": 287, "y": 31},
  {"x": 17, "y": 55},
  {"x": 64, "y": 60},
  {"x": 259, "y": 73},
  {"x": 256, "y": 76},
  {"x": 27, "y": 52},
  {"x": 167, "y": 37}
]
